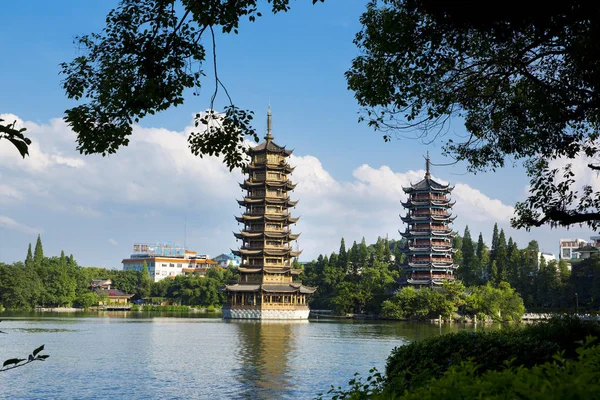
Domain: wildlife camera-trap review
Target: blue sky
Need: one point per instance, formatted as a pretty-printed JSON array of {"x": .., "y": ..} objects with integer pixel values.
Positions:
[{"x": 96, "y": 208}]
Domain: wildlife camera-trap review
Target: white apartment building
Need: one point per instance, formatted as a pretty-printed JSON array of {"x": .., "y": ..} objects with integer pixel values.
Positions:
[
  {"x": 568, "y": 247},
  {"x": 165, "y": 260}
]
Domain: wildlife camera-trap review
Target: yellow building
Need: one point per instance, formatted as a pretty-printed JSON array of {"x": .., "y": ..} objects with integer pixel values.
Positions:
[{"x": 267, "y": 289}]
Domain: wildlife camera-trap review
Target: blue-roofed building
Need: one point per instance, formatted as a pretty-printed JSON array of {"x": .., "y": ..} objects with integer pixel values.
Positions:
[{"x": 225, "y": 259}]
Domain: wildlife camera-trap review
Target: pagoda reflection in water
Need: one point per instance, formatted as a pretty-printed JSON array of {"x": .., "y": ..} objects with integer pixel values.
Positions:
[{"x": 265, "y": 350}]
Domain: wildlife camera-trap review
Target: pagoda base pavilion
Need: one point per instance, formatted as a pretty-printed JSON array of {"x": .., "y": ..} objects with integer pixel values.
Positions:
[
  {"x": 265, "y": 312},
  {"x": 283, "y": 302}
]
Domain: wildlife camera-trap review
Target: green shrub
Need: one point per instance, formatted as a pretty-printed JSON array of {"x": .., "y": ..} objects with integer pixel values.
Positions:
[
  {"x": 86, "y": 300},
  {"x": 560, "y": 378},
  {"x": 410, "y": 366}
]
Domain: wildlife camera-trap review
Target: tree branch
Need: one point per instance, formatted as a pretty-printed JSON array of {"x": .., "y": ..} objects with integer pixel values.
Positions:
[{"x": 564, "y": 218}]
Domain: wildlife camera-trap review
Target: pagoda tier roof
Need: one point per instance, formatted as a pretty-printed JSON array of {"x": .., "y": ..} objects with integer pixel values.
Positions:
[
  {"x": 266, "y": 252},
  {"x": 413, "y": 203},
  {"x": 427, "y": 185},
  {"x": 428, "y": 281},
  {"x": 431, "y": 265},
  {"x": 270, "y": 146},
  {"x": 268, "y": 217},
  {"x": 284, "y": 270},
  {"x": 289, "y": 288},
  {"x": 268, "y": 200},
  {"x": 427, "y": 234},
  {"x": 267, "y": 234},
  {"x": 242, "y": 288},
  {"x": 424, "y": 218},
  {"x": 287, "y": 185},
  {"x": 443, "y": 218},
  {"x": 428, "y": 249},
  {"x": 280, "y": 166},
  {"x": 249, "y": 270}
]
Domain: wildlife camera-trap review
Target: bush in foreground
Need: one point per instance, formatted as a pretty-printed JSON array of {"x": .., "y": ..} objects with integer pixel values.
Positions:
[{"x": 450, "y": 359}]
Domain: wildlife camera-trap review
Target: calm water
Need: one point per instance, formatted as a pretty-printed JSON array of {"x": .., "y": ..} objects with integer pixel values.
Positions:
[{"x": 153, "y": 356}]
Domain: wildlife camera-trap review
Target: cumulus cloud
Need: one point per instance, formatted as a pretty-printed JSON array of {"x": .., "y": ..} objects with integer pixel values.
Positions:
[
  {"x": 147, "y": 189},
  {"x": 10, "y": 224}
]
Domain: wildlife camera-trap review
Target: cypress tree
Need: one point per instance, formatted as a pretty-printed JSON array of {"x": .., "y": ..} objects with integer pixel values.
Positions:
[
  {"x": 468, "y": 254},
  {"x": 38, "y": 254},
  {"x": 501, "y": 255},
  {"x": 343, "y": 256},
  {"x": 495, "y": 237},
  {"x": 29, "y": 258}
]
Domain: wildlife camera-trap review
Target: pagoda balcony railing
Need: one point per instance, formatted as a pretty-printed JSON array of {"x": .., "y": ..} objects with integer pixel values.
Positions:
[
  {"x": 432, "y": 244},
  {"x": 441, "y": 228},
  {"x": 425, "y": 260},
  {"x": 433, "y": 211},
  {"x": 427, "y": 243},
  {"x": 278, "y": 195},
  {"x": 434, "y": 276},
  {"x": 423, "y": 197},
  {"x": 267, "y": 246},
  {"x": 261, "y": 212}
]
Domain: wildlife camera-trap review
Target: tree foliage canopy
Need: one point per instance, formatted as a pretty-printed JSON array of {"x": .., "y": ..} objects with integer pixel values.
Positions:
[
  {"x": 141, "y": 63},
  {"x": 525, "y": 81}
]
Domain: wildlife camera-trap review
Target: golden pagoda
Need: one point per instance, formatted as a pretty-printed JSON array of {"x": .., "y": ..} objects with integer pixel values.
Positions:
[{"x": 266, "y": 289}]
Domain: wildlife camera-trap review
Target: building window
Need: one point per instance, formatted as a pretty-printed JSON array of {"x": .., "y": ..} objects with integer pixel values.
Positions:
[
  {"x": 164, "y": 272},
  {"x": 172, "y": 265},
  {"x": 164, "y": 265},
  {"x": 157, "y": 273},
  {"x": 178, "y": 265}
]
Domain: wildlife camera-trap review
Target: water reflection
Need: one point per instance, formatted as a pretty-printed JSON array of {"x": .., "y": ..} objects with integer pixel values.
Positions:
[{"x": 264, "y": 350}]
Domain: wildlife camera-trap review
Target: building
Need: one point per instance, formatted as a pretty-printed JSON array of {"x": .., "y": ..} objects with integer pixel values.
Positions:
[
  {"x": 266, "y": 289},
  {"x": 224, "y": 260},
  {"x": 568, "y": 245},
  {"x": 574, "y": 249},
  {"x": 428, "y": 234},
  {"x": 108, "y": 295},
  {"x": 548, "y": 257},
  {"x": 586, "y": 251},
  {"x": 165, "y": 260}
]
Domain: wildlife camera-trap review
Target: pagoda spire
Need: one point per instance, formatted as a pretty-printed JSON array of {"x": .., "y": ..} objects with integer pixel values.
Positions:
[
  {"x": 427, "y": 166},
  {"x": 269, "y": 136}
]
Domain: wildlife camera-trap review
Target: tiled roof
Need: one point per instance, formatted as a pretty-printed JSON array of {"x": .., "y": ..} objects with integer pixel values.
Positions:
[{"x": 111, "y": 292}]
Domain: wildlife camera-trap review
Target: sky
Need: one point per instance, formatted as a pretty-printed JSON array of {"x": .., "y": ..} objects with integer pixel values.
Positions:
[{"x": 349, "y": 180}]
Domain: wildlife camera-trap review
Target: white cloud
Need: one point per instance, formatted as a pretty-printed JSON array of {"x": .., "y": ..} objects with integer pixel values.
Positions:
[
  {"x": 11, "y": 224},
  {"x": 473, "y": 204},
  {"x": 143, "y": 192},
  {"x": 9, "y": 194}
]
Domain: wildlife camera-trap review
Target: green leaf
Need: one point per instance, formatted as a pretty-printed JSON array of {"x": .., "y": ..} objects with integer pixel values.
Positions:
[
  {"x": 21, "y": 146},
  {"x": 36, "y": 351},
  {"x": 12, "y": 361}
]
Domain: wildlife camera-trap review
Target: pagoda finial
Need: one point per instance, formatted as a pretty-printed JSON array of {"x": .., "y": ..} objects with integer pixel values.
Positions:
[
  {"x": 269, "y": 136},
  {"x": 427, "y": 165}
]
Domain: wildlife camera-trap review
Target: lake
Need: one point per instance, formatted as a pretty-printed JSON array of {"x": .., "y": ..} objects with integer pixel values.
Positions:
[{"x": 133, "y": 355}]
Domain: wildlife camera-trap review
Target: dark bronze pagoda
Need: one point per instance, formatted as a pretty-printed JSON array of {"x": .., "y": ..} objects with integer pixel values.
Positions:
[{"x": 428, "y": 233}]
